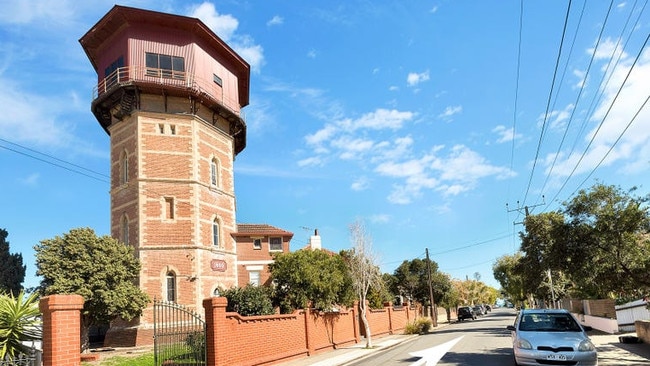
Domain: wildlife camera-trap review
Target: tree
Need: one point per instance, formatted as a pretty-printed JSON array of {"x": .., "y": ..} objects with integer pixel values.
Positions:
[
  {"x": 365, "y": 274},
  {"x": 609, "y": 231},
  {"x": 100, "y": 269},
  {"x": 412, "y": 281},
  {"x": 249, "y": 300},
  {"x": 310, "y": 276},
  {"x": 12, "y": 270},
  {"x": 511, "y": 281},
  {"x": 20, "y": 321}
]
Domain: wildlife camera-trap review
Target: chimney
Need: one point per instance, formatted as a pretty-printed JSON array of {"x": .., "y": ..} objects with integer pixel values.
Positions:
[{"x": 314, "y": 241}]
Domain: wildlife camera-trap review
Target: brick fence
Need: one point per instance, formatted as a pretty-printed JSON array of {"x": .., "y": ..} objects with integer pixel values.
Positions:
[{"x": 232, "y": 339}]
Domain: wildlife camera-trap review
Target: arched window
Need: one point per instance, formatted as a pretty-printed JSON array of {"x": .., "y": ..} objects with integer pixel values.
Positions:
[
  {"x": 125, "y": 229},
  {"x": 171, "y": 286},
  {"x": 215, "y": 233},
  {"x": 214, "y": 172},
  {"x": 124, "y": 168}
]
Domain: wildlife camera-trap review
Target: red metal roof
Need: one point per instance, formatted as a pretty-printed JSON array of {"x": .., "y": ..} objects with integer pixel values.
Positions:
[{"x": 120, "y": 17}]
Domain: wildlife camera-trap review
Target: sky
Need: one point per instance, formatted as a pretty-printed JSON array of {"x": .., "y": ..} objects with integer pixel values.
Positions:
[{"x": 432, "y": 122}]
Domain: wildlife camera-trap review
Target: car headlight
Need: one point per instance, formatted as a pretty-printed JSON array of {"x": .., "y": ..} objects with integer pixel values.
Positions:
[
  {"x": 523, "y": 344},
  {"x": 586, "y": 346}
]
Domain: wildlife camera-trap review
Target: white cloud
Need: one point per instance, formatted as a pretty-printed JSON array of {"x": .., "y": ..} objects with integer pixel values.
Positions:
[
  {"x": 311, "y": 53},
  {"x": 450, "y": 111},
  {"x": 276, "y": 20},
  {"x": 360, "y": 184},
  {"x": 312, "y": 161},
  {"x": 414, "y": 78},
  {"x": 225, "y": 26},
  {"x": 505, "y": 134},
  {"x": 380, "y": 219}
]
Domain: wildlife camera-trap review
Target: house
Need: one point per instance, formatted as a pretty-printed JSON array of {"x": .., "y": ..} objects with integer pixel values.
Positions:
[{"x": 256, "y": 245}]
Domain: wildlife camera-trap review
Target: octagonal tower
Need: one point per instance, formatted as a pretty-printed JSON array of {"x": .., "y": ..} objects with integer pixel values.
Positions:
[{"x": 169, "y": 95}]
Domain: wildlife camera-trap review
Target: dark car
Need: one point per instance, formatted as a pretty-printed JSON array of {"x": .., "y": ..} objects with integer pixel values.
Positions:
[{"x": 465, "y": 312}]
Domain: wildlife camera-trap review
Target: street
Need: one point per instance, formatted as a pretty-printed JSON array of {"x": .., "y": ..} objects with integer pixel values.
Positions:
[{"x": 484, "y": 342}]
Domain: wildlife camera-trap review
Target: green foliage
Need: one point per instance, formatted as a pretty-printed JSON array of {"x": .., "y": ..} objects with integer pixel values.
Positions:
[
  {"x": 595, "y": 247},
  {"x": 412, "y": 281},
  {"x": 196, "y": 342},
  {"x": 249, "y": 300},
  {"x": 19, "y": 321},
  {"x": 511, "y": 281},
  {"x": 419, "y": 326},
  {"x": 12, "y": 270},
  {"x": 101, "y": 269},
  {"x": 310, "y": 276}
]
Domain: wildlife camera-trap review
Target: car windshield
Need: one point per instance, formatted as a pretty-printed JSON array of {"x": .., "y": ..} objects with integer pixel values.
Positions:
[{"x": 548, "y": 322}]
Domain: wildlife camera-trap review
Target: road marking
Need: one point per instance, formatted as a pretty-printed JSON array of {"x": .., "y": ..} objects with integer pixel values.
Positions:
[{"x": 431, "y": 356}]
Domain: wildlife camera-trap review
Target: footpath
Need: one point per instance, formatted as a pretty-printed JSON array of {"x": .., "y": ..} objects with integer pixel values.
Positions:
[{"x": 611, "y": 352}]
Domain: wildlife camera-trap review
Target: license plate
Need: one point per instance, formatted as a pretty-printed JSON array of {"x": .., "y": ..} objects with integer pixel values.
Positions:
[{"x": 556, "y": 357}]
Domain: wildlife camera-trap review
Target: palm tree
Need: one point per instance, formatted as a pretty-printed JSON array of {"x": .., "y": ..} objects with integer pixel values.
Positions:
[{"x": 20, "y": 321}]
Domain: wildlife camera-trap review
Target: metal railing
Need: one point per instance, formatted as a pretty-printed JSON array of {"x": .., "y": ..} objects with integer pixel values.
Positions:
[
  {"x": 167, "y": 78},
  {"x": 179, "y": 335}
]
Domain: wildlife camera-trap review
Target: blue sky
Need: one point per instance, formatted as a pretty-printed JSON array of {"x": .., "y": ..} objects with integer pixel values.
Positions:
[{"x": 421, "y": 118}]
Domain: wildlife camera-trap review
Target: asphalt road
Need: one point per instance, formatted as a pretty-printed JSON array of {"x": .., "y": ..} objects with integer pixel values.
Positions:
[{"x": 484, "y": 342}]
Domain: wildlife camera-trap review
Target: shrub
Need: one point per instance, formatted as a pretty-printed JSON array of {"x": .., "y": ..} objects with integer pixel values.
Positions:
[
  {"x": 249, "y": 300},
  {"x": 419, "y": 326}
]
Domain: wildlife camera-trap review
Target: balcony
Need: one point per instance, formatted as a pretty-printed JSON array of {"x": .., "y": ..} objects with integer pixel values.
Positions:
[{"x": 173, "y": 82}]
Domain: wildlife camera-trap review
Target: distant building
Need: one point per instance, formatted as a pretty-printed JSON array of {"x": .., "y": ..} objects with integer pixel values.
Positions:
[
  {"x": 256, "y": 244},
  {"x": 169, "y": 95}
]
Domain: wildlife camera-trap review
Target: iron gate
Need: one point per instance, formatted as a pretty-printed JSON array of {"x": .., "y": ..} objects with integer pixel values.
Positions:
[{"x": 179, "y": 335}]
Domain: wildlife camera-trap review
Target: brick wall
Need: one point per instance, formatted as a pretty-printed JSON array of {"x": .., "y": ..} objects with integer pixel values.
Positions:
[{"x": 265, "y": 340}]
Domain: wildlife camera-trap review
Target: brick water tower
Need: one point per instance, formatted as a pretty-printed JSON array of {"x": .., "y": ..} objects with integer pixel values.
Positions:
[{"x": 169, "y": 95}]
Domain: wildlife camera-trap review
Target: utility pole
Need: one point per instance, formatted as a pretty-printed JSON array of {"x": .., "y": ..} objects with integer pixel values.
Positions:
[{"x": 434, "y": 312}]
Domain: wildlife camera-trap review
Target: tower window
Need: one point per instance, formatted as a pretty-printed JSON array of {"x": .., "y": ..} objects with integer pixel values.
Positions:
[
  {"x": 172, "y": 129},
  {"x": 215, "y": 233},
  {"x": 125, "y": 229},
  {"x": 165, "y": 66},
  {"x": 169, "y": 208},
  {"x": 171, "y": 287},
  {"x": 214, "y": 172},
  {"x": 217, "y": 80},
  {"x": 124, "y": 168}
]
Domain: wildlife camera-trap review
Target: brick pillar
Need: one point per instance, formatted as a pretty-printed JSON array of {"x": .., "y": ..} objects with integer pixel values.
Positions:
[
  {"x": 389, "y": 306},
  {"x": 308, "y": 330},
  {"x": 61, "y": 329},
  {"x": 215, "y": 319}
]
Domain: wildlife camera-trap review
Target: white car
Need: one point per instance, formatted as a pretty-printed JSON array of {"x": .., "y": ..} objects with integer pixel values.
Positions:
[{"x": 551, "y": 337}]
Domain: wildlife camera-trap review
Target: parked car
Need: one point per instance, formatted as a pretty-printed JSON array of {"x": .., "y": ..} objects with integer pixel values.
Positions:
[
  {"x": 551, "y": 336},
  {"x": 465, "y": 312},
  {"x": 478, "y": 309}
]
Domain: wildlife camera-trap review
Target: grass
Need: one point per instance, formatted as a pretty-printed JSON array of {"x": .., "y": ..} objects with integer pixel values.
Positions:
[{"x": 141, "y": 360}]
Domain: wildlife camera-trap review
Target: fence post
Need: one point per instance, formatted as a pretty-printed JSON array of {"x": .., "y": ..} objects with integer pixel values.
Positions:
[
  {"x": 215, "y": 319},
  {"x": 61, "y": 329}
]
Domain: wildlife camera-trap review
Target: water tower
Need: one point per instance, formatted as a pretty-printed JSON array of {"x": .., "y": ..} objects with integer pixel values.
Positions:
[{"x": 169, "y": 94}]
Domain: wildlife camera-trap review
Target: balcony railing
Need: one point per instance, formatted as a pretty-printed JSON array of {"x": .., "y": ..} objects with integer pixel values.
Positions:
[{"x": 166, "y": 78}]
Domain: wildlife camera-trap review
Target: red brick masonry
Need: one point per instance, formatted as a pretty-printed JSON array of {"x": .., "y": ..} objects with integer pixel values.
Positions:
[{"x": 61, "y": 329}]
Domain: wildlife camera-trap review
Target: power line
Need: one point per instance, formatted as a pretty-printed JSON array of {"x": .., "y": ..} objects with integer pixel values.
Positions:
[
  {"x": 548, "y": 103},
  {"x": 600, "y": 125},
  {"x": 59, "y": 165}
]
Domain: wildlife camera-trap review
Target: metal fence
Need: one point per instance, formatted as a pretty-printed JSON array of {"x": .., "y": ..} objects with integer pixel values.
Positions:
[{"x": 179, "y": 335}]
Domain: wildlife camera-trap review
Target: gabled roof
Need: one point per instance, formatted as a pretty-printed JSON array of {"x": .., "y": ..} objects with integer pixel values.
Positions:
[{"x": 260, "y": 229}]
